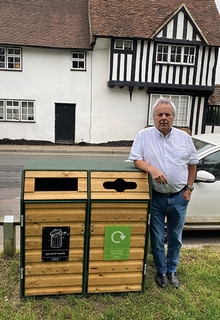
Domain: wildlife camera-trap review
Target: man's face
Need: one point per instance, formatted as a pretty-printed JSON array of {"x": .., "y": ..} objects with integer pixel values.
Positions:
[{"x": 163, "y": 118}]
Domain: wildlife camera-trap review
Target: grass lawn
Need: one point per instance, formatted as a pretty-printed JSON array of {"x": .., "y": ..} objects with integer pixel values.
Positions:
[{"x": 198, "y": 297}]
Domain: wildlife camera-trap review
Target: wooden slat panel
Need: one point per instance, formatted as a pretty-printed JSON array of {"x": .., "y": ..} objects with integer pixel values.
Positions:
[
  {"x": 97, "y": 186},
  {"x": 55, "y": 216},
  {"x": 138, "y": 222},
  {"x": 116, "y": 288},
  {"x": 48, "y": 212},
  {"x": 51, "y": 281},
  {"x": 55, "y": 174},
  {"x": 53, "y": 268},
  {"x": 55, "y": 195},
  {"x": 29, "y": 184},
  {"x": 113, "y": 195},
  {"x": 119, "y": 211},
  {"x": 31, "y": 194},
  {"x": 99, "y": 192},
  {"x": 112, "y": 175},
  {"x": 136, "y": 228},
  {"x": 122, "y": 205},
  {"x": 115, "y": 266},
  {"x": 115, "y": 278},
  {"x": 119, "y": 196},
  {"x": 39, "y": 215},
  {"x": 54, "y": 205},
  {"x": 32, "y": 256},
  {"x": 52, "y": 290}
]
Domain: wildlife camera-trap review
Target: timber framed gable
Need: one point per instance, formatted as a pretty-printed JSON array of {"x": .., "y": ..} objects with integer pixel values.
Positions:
[
  {"x": 176, "y": 58},
  {"x": 181, "y": 27}
]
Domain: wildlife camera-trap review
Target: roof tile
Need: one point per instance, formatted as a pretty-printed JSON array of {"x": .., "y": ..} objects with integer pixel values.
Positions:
[
  {"x": 142, "y": 18},
  {"x": 65, "y": 23},
  {"x": 46, "y": 23}
]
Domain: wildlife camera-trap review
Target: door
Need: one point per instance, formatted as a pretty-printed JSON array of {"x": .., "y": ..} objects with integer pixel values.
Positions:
[{"x": 65, "y": 123}]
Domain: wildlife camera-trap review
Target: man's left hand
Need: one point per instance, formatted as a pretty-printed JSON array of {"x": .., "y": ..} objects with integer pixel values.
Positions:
[{"x": 187, "y": 194}]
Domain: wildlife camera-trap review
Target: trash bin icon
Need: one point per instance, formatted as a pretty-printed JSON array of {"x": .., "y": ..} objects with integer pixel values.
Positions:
[{"x": 56, "y": 238}]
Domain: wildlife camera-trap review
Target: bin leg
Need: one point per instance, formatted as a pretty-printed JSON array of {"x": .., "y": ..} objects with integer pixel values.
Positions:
[{"x": 9, "y": 236}]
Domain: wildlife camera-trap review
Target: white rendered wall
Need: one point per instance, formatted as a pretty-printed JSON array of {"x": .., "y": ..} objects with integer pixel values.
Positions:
[
  {"x": 102, "y": 114},
  {"x": 46, "y": 78}
]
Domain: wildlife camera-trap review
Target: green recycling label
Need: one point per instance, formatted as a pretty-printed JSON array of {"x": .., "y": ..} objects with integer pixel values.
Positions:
[{"x": 117, "y": 242}]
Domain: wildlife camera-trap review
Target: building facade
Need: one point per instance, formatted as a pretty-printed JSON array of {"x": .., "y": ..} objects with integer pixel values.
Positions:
[{"x": 93, "y": 70}]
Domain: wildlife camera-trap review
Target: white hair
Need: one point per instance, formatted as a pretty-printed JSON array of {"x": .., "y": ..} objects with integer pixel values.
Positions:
[{"x": 166, "y": 101}]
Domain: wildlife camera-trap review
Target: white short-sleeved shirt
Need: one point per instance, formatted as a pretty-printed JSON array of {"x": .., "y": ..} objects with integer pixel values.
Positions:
[{"x": 170, "y": 154}]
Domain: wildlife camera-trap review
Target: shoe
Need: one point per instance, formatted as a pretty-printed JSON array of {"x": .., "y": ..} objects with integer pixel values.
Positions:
[
  {"x": 161, "y": 279},
  {"x": 173, "y": 279}
]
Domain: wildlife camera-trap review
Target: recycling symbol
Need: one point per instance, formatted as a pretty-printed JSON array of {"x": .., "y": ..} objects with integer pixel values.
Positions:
[{"x": 117, "y": 239}]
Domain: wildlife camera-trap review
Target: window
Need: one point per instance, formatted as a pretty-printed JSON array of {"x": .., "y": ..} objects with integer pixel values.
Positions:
[
  {"x": 17, "y": 110},
  {"x": 12, "y": 110},
  {"x": 27, "y": 110},
  {"x": 201, "y": 145},
  {"x": 10, "y": 58},
  {"x": 175, "y": 54},
  {"x": 211, "y": 163},
  {"x": 2, "y": 114},
  {"x": 123, "y": 44},
  {"x": 189, "y": 55},
  {"x": 162, "y": 53},
  {"x": 182, "y": 109},
  {"x": 78, "y": 61}
]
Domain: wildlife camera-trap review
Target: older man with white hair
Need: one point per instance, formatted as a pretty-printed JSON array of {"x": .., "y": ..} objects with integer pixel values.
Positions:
[{"x": 169, "y": 156}]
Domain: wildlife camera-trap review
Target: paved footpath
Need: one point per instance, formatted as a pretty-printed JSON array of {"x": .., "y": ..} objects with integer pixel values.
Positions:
[{"x": 70, "y": 149}]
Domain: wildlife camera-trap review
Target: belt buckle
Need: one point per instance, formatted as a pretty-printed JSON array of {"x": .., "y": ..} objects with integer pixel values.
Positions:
[{"x": 168, "y": 194}]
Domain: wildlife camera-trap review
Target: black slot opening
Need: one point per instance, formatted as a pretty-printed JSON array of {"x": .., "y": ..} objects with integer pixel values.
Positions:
[
  {"x": 119, "y": 185},
  {"x": 56, "y": 184}
]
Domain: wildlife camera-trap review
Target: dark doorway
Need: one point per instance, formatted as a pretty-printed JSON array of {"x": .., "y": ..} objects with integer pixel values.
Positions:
[{"x": 65, "y": 123}]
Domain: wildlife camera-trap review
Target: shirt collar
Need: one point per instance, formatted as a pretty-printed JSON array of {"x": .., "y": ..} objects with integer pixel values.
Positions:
[{"x": 160, "y": 134}]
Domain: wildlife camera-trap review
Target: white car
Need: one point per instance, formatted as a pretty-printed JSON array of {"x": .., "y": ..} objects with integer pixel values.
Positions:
[{"x": 204, "y": 207}]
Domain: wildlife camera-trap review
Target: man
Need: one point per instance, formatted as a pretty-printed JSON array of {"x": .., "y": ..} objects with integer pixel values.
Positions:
[{"x": 169, "y": 156}]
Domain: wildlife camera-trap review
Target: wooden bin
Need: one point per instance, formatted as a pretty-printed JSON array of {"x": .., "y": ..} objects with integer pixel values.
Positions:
[
  {"x": 67, "y": 210},
  {"x": 53, "y": 212},
  {"x": 42, "y": 276},
  {"x": 118, "y": 200}
]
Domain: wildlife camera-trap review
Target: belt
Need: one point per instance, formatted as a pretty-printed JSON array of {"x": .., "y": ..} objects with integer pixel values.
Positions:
[{"x": 168, "y": 194}]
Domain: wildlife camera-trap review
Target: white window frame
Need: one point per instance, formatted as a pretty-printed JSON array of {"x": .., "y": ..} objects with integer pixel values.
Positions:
[
  {"x": 27, "y": 111},
  {"x": 175, "y": 54},
  {"x": 17, "y": 110},
  {"x": 2, "y": 110},
  {"x": 79, "y": 59},
  {"x": 123, "y": 44},
  {"x": 182, "y": 104},
  {"x": 10, "y": 58},
  {"x": 12, "y": 110}
]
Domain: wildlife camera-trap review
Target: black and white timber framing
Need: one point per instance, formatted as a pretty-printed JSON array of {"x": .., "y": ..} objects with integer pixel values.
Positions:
[{"x": 139, "y": 67}]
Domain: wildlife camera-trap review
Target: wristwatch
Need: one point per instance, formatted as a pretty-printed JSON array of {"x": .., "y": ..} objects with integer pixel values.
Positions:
[{"x": 188, "y": 186}]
